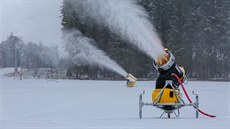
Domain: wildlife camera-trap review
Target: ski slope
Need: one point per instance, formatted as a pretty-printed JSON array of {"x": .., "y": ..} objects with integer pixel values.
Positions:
[{"x": 78, "y": 104}]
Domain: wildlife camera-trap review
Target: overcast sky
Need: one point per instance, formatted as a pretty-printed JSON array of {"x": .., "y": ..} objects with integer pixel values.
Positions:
[{"x": 33, "y": 20}]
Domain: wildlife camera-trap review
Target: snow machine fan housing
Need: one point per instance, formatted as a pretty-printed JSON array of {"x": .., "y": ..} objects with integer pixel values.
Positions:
[{"x": 165, "y": 61}]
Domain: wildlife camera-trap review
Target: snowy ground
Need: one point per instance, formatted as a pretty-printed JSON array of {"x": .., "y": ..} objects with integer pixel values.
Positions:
[{"x": 74, "y": 104}]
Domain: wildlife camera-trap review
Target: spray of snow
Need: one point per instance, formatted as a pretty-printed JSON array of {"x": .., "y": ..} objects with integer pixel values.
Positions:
[
  {"x": 50, "y": 56},
  {"x": 82, "y": 52},
  {"x": 125, "y": 18}
]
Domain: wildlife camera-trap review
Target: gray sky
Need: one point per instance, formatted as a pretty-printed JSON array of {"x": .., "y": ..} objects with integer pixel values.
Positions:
[{"x": 33, "y": 20}]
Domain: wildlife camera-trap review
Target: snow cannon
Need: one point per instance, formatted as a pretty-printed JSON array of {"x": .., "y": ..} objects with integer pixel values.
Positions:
[{"x": 131, "y": 80}]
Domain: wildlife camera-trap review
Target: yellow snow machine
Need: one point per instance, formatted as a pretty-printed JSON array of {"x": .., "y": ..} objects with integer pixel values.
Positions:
[
  {"x": 131, "y": 80},
  {"x": 166, "y": 95},
  {"x": 169, "y": 100}
]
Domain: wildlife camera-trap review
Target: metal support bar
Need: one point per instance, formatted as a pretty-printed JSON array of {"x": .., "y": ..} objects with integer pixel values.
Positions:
[
  {"x": 178, "y": 113},
  {"x": 196, "y": 104},
  {"x": 141, "y": 104},
  {"x": 162, "y": 114},
  {"x": 180, "y": 99},
  {"x": 154, "y": 101}
]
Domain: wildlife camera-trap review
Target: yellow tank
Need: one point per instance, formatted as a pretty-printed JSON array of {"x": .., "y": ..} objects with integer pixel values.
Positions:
[{"x": 168, "y": 96}]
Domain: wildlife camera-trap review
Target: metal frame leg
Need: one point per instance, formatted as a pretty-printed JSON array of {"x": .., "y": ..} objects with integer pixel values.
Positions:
[
  {"x": 141, "y": 104},
  {"x": 196, "y": 104}
]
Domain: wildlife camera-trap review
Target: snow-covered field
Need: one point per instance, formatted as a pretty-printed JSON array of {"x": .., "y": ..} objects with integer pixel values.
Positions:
[{"x": 75, "y": 104}]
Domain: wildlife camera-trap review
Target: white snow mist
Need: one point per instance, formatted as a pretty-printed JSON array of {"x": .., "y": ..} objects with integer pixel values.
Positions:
[
  {"x": 82, "y": 52},
  {"x": 125, "y": 18}
]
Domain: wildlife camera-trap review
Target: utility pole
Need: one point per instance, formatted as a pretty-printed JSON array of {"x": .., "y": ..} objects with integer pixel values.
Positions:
[
  {"x": 21, "y": 60},
  {"x": 15, "y": 59},
  {"x": 15, "y": 53},
  {"x": 15, "y": 41}
]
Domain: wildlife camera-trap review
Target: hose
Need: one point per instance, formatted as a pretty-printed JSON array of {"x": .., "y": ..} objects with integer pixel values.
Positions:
[{"x": 186, "y": 94}]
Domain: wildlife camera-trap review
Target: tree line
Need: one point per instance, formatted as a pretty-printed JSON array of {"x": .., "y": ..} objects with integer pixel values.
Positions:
[
  {"x": 15, "y": 53},
  {"x": 197, "y": 32}
]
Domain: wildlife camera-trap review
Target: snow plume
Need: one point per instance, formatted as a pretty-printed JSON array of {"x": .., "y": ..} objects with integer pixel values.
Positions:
[
  {"x": 125, "y": 18},
  {"x": 50, "y": 56},
  {"x": 82, "y": 52}
]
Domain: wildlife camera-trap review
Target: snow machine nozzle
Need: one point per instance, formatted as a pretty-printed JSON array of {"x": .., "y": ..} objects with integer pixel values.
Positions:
[
  {"x": 165, "y": 61},
  {"x": 131, "y": 80}
]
